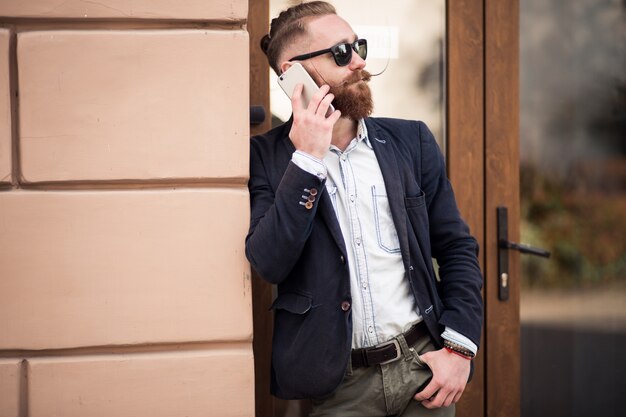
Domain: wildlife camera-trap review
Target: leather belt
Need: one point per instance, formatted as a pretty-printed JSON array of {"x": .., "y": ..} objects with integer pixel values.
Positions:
[{"x": 388, "y": 351}]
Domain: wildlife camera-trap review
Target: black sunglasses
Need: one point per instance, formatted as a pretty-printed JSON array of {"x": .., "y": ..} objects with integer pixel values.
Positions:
[{"x": 342, "y": 53}]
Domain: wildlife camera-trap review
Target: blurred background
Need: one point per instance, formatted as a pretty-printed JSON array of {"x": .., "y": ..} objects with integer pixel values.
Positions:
[{"x": 573, "y": 197}]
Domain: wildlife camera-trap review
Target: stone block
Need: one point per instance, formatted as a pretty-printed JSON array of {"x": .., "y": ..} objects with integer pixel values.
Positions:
[
  {"x": 222, "y": 10},
  {"x": 191, "y": 384},
  {"x": 133, "y": 105},
  {"x": 87, "y": 268}
]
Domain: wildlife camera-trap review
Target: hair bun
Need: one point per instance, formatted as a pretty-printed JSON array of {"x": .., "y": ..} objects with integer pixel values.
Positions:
[{"x": 265, "y": 43}]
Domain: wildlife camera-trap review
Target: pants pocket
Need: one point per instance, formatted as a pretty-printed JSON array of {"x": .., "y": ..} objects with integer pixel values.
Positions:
[{"x": 417, "y": 359}]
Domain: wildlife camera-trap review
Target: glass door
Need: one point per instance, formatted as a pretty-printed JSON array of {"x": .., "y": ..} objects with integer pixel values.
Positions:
[{"x": 573, "y": 195}]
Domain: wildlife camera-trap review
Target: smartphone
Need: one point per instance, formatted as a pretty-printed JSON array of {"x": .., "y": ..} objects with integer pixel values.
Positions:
[{"x": 296, "y": 74}]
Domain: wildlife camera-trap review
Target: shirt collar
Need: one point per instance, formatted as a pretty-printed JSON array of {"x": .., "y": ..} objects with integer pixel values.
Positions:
[{"x": 361, "y": 133}]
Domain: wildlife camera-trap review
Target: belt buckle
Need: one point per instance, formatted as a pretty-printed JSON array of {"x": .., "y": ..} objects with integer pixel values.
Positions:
[{"x": 394, "y": 342}]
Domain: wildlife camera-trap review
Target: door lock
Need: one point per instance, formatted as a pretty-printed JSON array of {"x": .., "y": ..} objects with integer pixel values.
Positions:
[{"x": 504, "y": 244}]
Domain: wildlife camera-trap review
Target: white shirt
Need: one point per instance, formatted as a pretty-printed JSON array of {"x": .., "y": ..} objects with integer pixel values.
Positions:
[{"x": 382, "y": 303}]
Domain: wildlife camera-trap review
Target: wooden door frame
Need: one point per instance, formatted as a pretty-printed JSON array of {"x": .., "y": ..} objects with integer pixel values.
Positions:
[
  {"x": 502, "y": 334},
  {"x": 465, "y": 146},
  {"x": 483, "y": 164},
  {"x": 258, "y": 26},
  {"x": 483, "y": 161}
]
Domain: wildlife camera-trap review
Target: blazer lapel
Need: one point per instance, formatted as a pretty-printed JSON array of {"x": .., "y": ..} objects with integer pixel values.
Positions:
[{"x": 384, "y": 151}]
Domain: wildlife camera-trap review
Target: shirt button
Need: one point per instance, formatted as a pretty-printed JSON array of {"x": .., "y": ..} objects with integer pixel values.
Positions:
[
  {"x": 352, "y": 198},
  {"x": 364, "y": 286},
  {"x": 358, "y": 241},
  {"x": 370, "y": 329},
  {"x": 343, "y": 157},
  {"x": 308, "y": 205},
  {"x": 313, "y": 191},
  {"x": 345, "y": 306}
]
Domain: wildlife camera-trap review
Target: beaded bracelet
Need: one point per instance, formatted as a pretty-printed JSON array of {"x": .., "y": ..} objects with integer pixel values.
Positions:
[{"x": 455, "y": 347}]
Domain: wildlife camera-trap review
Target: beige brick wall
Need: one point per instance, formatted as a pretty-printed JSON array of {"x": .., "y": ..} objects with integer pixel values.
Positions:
[{"x": 124, "y": 289}]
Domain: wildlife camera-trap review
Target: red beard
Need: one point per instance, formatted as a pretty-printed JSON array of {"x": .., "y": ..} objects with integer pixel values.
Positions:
[{"x": 354, "y": 97}]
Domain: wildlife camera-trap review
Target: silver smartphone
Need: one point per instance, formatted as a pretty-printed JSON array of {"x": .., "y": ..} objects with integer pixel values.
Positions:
[{"x": 296, "y": 74}]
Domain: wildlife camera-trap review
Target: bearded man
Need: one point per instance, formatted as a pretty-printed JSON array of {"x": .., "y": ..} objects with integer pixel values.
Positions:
[{"x": 347, "y": 212}]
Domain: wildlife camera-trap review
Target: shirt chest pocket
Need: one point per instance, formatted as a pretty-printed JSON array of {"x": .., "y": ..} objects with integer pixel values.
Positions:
[{"x": 385, "y": 229}]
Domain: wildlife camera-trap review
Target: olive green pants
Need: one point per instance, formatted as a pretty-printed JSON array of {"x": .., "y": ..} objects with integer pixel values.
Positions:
[{"x": 383, "y": 390}]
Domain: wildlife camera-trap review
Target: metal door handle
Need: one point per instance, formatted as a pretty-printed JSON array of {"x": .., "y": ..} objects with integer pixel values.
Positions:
[
  {"x": 504, "y": 244},
  {"x": 523, "y": 248}
]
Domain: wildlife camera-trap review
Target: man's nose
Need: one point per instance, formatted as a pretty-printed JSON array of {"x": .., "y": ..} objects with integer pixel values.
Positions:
[{"x": 356, "y": 63}]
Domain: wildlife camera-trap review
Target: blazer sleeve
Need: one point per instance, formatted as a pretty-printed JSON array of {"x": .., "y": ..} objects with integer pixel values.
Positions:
[
  {"x": 280, "y": 220},
  {"x": 455, "y": 250}
]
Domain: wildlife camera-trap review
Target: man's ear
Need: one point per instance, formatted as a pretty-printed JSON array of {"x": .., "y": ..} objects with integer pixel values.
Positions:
[{"x": 285, "y": 66}]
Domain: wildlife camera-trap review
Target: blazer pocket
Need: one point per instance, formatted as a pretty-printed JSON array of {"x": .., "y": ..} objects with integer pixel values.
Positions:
[
  {"x": 293, "y": 303},
  {"x": 412, "y": 202}
]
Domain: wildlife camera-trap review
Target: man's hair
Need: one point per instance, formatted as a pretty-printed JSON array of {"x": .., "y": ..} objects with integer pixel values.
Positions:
[{"x": 288, "y": 26}]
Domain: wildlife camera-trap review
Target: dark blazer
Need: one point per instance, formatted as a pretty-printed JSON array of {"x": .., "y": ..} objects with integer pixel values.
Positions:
[{"x": 302, "y": 250}]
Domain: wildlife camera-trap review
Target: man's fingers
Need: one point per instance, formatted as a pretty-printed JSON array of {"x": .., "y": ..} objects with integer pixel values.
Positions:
[
  {"x": 317, "y": 97},
  {"x": 319, "y": 104},
  {"x": 449, "y": 378},
  {"x": 429, "y": 391},
  {"x": 334, "y": 116},
  {"x": 443, "y": 398},
  {"x": 457, "y": 397},
  {"x": 322, "y": 109},
  {"x": 449, "y": 400},
  {"x": 425, "y": 357}
]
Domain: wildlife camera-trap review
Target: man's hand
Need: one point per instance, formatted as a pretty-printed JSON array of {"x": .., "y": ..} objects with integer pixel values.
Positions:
[
  {"x": 312, "y": 131},
  {"x": 450, "y": 373}
]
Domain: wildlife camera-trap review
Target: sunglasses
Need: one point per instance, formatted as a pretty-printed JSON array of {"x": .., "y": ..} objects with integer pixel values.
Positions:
[{"x": 342, "y": 53}]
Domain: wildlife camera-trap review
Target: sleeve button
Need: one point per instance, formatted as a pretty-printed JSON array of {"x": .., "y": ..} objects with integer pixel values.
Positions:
[
  {"x": 308, "y": 205},
  {"x": 313, "y": 191}
]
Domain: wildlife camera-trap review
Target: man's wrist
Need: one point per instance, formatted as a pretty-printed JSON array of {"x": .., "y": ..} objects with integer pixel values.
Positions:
[
  {"x": 456, "y": 337},
  {"x": 310, "y": 164}
]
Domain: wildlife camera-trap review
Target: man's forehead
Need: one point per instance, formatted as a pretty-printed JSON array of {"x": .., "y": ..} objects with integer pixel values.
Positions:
[{"x": 329, "y": 30}]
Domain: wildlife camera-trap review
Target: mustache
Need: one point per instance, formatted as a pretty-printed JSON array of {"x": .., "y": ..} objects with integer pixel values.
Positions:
[{"x": 361, "y": 75}]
